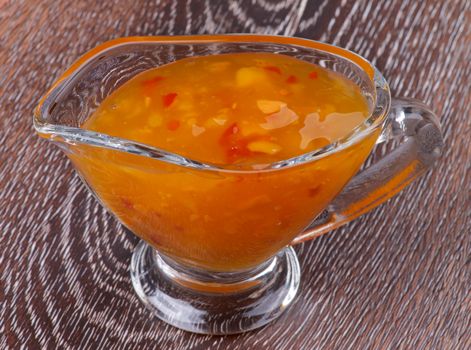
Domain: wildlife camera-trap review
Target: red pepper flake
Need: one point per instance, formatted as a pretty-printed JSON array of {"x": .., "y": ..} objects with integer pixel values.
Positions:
[
  {"x": 150, "y": 85},
  {"x": 292, "y": 79},
  {"x": 313, "y": 75},
  {"x": 173, "y": 125},
  {"x": 273, "y": 69},
  {"x": 168, "y": 99},
  {"x": 153, "y": 81}
]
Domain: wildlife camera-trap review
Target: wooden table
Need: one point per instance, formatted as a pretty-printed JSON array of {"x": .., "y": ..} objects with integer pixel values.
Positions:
[{"x": 397, "y": 278}]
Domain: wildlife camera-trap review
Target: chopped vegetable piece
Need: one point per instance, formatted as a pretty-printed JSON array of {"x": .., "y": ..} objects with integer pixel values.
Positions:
[
  {"x": 292, "y": 79},
  {"x": 249, "y": 76},
  {"x": 251, "y": 129},
  {"x": 231, "y": 130},
  {"x": 273, "y": 69},
  {"x": 313, "y": 75},
  {"x": 268, "y": 107},
  {"x": 153, "y": 82},
  {"x": 150, "y": 85},
  {"x": 234, "y": 143},
  {"x": 210, "y": 123},
  {"x": 264, "y": 147},
  {"x": 219, "y": 120},
  {"x": 168, "y": 99},
  {"x": 173, "y": 125}
]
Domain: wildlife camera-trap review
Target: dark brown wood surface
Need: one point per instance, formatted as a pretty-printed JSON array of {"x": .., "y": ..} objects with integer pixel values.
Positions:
[{"x": 397, "y": 278}]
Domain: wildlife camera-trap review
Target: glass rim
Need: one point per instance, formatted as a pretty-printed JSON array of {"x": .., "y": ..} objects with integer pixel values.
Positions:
[{"x": 73, "y": 135}]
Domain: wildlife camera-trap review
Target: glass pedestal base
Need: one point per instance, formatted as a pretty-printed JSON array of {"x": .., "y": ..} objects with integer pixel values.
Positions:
[{"x": 214, "y": 303}]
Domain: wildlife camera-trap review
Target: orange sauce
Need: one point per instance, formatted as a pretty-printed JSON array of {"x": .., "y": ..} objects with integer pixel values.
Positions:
[{"x": 238, "y": 111}]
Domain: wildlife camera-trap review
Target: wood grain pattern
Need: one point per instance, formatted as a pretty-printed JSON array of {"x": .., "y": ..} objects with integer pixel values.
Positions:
[{"x": 397, "y": 278}]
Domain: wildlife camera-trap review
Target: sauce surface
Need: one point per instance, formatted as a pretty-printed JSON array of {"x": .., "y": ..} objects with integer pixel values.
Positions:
[
  {"x": 248, "y": 108},
  {"x": 244, "y": 110}
]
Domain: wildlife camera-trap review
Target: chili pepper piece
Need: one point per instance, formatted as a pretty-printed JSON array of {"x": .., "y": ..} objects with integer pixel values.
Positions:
[
  {"x": 149, "y": 86},
  {"x": 234, "y": 143},
  {"x": 313, "y": 75},
  {"x": 291, "y": 79},
  {"x": 273, "y": 69},
  {"x": 173, "y": 125},
  {"x": 168, "y": 99}
]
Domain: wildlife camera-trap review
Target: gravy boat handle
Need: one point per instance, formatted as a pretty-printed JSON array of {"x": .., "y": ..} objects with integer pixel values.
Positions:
[{"x": 416, "y": 130}]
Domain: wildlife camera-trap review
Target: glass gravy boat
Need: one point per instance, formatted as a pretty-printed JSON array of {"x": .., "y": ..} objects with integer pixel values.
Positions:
[{"x": 216, "y": 254}]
